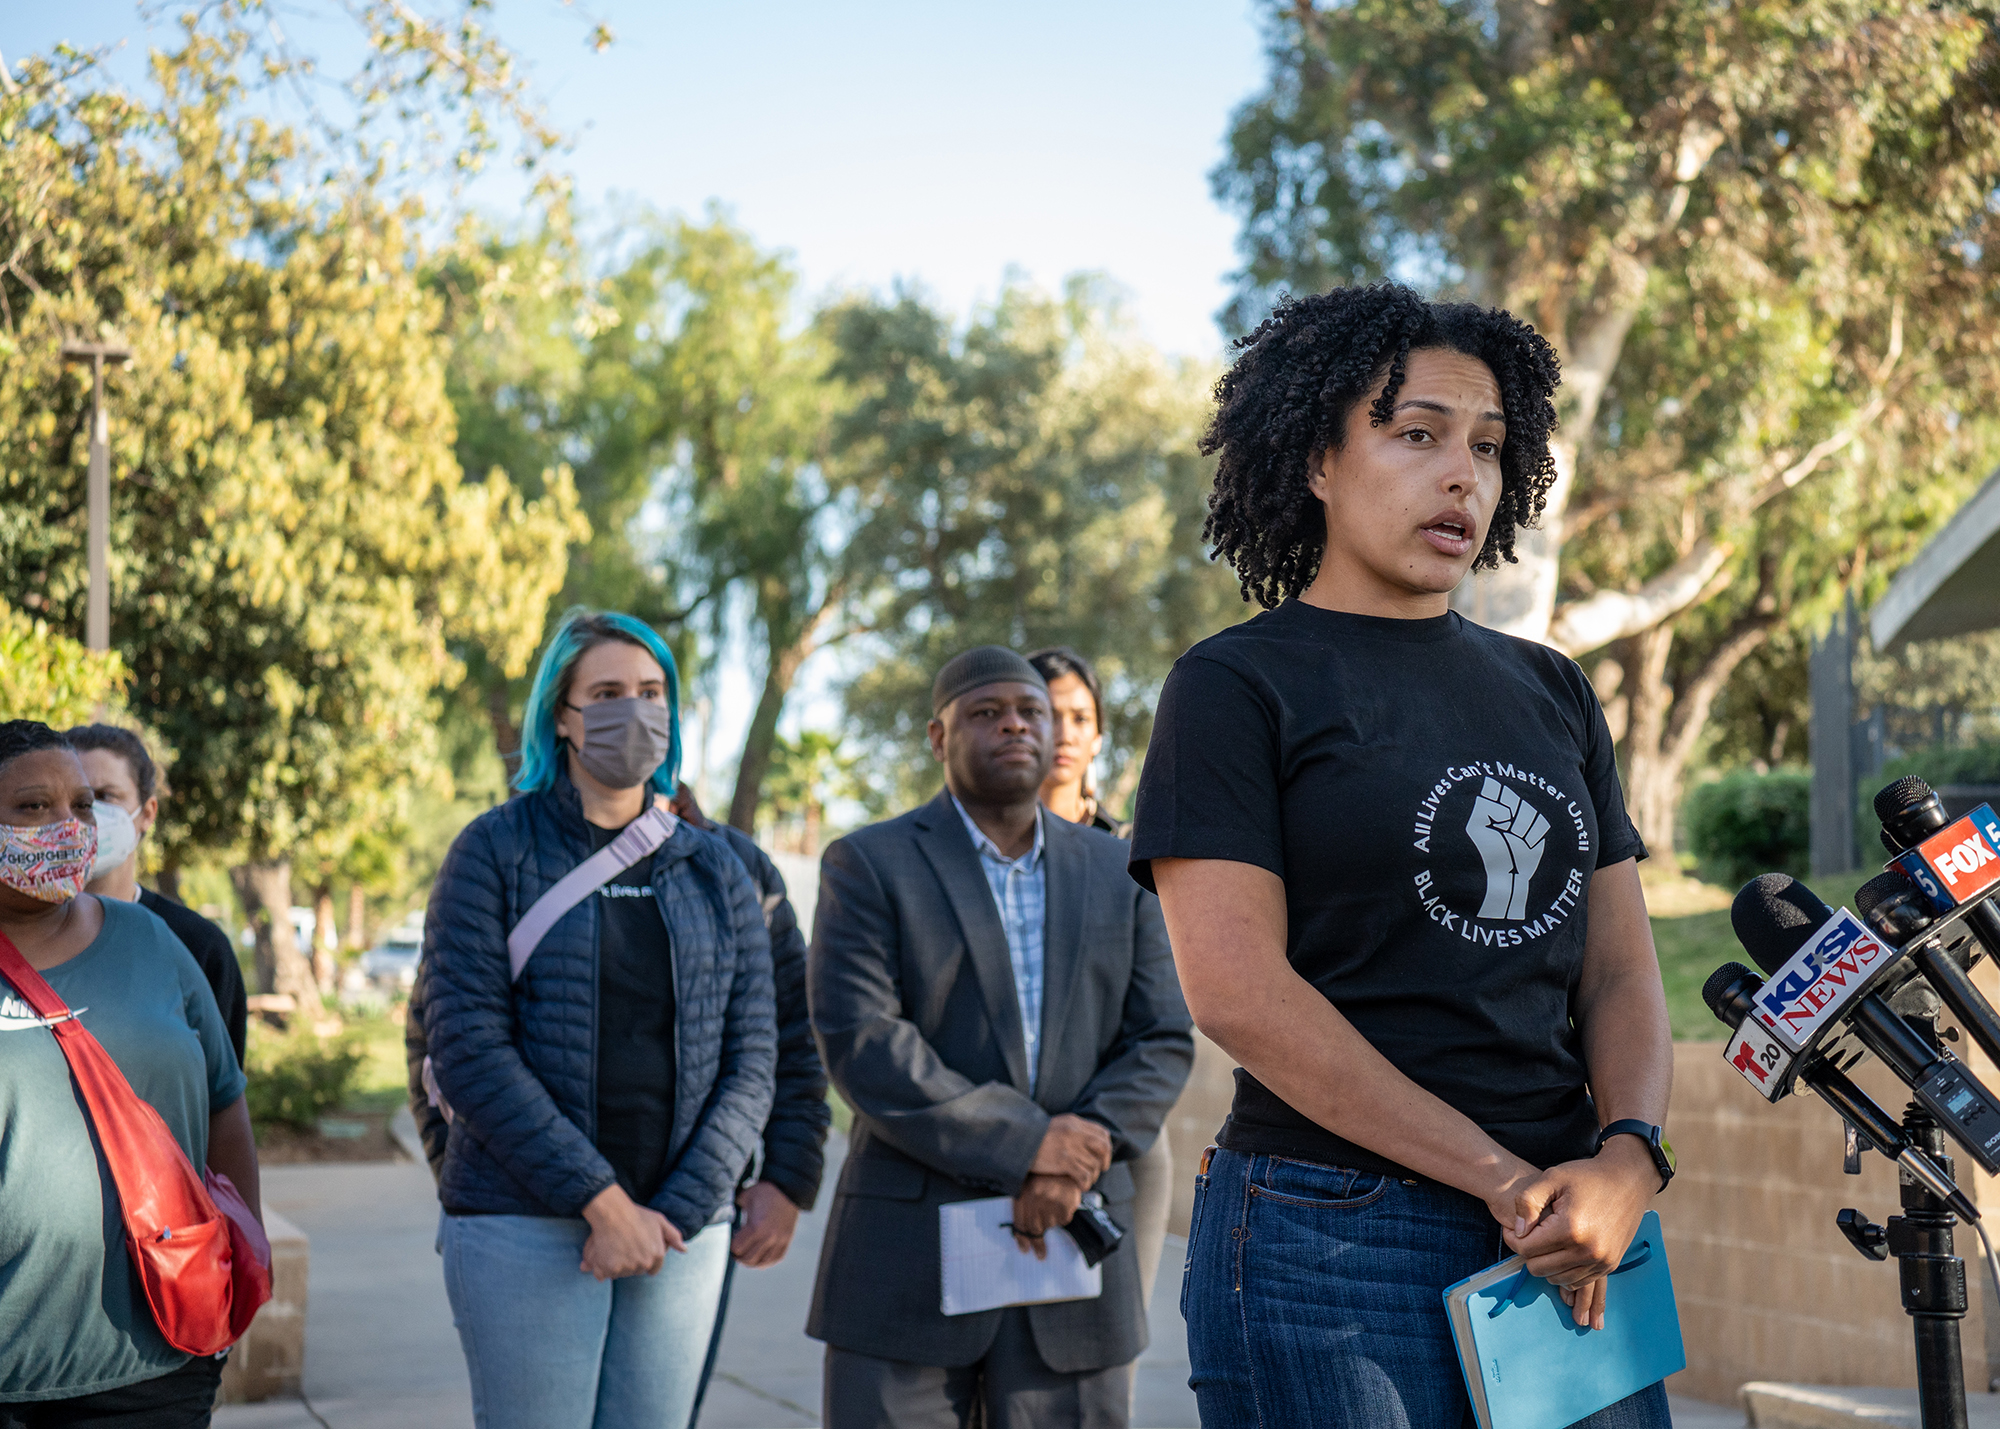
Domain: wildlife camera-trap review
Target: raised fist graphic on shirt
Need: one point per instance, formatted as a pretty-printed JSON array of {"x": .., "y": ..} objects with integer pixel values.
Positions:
[{"x": 1510, "y": 836}]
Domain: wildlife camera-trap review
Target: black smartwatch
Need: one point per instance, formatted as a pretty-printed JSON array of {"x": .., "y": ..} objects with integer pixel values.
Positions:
[{"x": 1663, "y": 1154}]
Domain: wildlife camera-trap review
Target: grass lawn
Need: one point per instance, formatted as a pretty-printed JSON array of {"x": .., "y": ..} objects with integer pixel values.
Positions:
[
  {"x": 382, "y": 1083},
  {"x": 1691, "y": 947},
  {"x": 1691, "y": 932}
]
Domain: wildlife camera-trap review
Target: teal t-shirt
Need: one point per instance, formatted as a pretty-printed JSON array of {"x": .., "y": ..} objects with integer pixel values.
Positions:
[{"x": 73, "y": 1319}]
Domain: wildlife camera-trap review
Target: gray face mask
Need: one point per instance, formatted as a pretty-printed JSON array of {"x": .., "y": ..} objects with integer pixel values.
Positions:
[{"x": 624, "y": 741}]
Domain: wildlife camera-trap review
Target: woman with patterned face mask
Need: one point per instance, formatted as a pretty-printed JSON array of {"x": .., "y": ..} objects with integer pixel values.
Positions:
[
  {"x": 77, "y": 1342},
  {"x": 608, "y": 1077},
  {"x": 127, "y": 782}
]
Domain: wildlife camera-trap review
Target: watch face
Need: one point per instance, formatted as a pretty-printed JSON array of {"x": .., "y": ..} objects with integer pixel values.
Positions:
[{"x": 1667, "y": 1151}]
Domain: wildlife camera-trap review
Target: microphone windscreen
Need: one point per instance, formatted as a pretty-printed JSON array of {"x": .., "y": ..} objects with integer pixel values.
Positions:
[
  {"x": 1773, "y": 916},
  {"x": 1905, "y": 794},
  {"x": 1713, "y": 992},
  {"x": 1879, "y": 889}
]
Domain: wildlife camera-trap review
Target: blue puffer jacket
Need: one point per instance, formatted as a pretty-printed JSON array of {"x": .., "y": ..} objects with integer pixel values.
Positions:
[{"x": 518, "y": 1061}]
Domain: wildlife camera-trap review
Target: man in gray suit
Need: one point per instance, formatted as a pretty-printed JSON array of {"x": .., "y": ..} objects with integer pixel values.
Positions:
[{"x": 995, "y": 999}]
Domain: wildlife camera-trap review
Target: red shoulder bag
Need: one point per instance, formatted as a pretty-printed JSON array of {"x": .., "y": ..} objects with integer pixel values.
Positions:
[{"x": 202, "y": 1258}]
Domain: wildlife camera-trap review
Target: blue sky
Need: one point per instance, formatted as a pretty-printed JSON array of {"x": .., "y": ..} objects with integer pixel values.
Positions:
[
  {"x": 943, "y": 144},
  {"x": 931, "y": 142}
]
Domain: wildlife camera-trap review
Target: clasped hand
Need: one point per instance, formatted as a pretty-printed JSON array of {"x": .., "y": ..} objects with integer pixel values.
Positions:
[
  {"x": 626, "y": 1238},
  {"x": 1074, "y": 1152},
  {"x": 1573, "y": 1222},
  {"x": 769, "y": 1220}
]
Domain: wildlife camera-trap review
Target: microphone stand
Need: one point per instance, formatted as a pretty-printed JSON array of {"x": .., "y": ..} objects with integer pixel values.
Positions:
[{"x": 1933, "y": 1278}]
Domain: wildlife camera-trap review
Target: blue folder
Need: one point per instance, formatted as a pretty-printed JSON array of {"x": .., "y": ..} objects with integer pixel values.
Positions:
[{"x": 1527, "y": 1365}]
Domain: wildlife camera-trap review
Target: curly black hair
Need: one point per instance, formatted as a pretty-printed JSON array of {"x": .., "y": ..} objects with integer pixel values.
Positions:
[
  {"x": 1286, "y": 398},
  {"x": 26, "y": 736}
]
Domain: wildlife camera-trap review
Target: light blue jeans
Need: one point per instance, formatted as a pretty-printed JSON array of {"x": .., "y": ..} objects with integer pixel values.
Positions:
[{"x": 550, "y": 1347}]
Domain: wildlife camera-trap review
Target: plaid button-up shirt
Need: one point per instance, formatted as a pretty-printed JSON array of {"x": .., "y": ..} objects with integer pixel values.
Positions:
[{"x": 1021, "y": 893}]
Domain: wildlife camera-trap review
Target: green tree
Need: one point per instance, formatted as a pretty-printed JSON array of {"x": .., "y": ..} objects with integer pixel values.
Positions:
[
  {"x": 758, "y": 518},
  {"x": 681, "y": 381},
  {"x": 51, "y": 678},
  {"x": 436, "y": 92},
  {"x": 1937, "y": 692},
  {"x": 1726, "y": 220},
  {"x": 1027, "y": 479},
  {"x": 295, "y": 549},
  {"x": 805, "y": 774},
  {"x": 522, "y": 320}
]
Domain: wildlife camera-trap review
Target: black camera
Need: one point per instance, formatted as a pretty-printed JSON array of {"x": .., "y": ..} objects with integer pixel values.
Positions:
[{"x": 1093, "y": 1230}]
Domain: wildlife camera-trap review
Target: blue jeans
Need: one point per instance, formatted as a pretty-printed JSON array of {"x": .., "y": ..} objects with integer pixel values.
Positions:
[
  {"x": 1313, "y": 1295},
  {"x": 550, "y": 1347}
]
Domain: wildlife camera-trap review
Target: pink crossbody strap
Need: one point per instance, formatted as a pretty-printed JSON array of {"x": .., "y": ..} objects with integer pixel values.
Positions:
[{"x": 638, "y": 839}]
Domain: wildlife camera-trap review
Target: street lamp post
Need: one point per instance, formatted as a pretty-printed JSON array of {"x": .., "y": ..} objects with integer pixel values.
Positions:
[{"x": 97, "y": 619}]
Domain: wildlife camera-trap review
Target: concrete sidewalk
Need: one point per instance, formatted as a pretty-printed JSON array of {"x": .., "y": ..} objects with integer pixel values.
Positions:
[
  {"x": 768, "y": 1373},
  {"x": 381, "y": 1352},
  {"x": 380, "y": 1349}
]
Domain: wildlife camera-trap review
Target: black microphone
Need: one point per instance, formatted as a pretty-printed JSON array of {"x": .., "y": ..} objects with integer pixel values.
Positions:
[
  {"x": 1822, "y": 966},
  {"x": 1897, "y": 909},
  {"x": 1731, "y": 992},
  {"x": 1955, "y": 862}
]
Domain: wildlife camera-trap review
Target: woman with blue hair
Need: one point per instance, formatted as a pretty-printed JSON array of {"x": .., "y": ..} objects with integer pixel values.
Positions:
[{"x": 597, "y": 1008}]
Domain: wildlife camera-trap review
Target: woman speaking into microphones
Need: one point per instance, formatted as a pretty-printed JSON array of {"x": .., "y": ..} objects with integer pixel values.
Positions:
[{"x": 1400, "y": 881}]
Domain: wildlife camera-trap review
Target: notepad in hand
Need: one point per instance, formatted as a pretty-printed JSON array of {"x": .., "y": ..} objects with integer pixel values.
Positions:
[
  {"x": 985, "y": 1268},
  {"x": 1528, "y": 1366}
]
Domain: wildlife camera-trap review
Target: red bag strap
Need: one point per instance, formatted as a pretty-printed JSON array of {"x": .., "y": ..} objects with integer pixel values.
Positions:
[
  {"x": 202, "y": 1288},
  {"x": 146, "y": 1162},
  {"x": 34, "y": 989}
]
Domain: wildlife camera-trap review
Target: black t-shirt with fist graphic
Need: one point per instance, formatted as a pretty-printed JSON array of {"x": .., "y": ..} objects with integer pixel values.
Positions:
[{"x": 1436, "y": 797}]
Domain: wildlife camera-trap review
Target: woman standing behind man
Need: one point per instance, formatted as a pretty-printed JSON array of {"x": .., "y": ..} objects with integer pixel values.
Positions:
[
  {"x": 1076, "y": 702},
  {"x": 606, "y": 1101}
]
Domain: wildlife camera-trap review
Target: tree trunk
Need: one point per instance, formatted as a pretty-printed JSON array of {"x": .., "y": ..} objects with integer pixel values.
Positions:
[
  {"x": 1650, "y": 784},
  {"x": 326, "y": 941},
  {"x": 1581, "y": 626},
  {"x": 357, "y": 916},
  {"x": 1116, "y": 804},
  {"x": 763, "y": 735},
  {"x": 1666, "y": 725},
  {"x": 265, "y": 891},
  {"x": 168, "y": 881},
  {"x": 1525, "y": 29},
  {"x": 1520, "y": 598}
]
